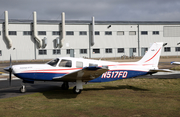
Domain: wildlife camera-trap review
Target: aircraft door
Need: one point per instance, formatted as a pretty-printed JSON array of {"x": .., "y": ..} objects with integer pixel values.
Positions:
[
  {"x": 143, "y": 51},
  {"x": 130, "y": 52},
  {"x": 71, "y": 52}
]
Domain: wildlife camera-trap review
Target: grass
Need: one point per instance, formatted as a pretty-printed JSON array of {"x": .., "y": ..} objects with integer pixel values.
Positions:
[
  {"x": 124, "y": 98},
  {"x": 176, "y": 67}
]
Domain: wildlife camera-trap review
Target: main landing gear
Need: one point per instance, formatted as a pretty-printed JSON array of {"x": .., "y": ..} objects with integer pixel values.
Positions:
[{"x": 77, "y": 89}]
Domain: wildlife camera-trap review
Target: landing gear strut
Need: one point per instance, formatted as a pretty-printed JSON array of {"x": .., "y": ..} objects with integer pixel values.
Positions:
[
  {"x": 65, "y": 86},
  {"x": 23, "y": 89}
]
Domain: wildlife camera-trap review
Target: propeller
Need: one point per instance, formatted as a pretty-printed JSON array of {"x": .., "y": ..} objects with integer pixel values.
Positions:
[{"x": 9, "y": 69}]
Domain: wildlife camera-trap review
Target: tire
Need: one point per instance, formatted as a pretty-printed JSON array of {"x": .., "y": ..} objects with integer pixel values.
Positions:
[
  {"x": 75, "y": 91},
  {"x": 22, "y": 89}
]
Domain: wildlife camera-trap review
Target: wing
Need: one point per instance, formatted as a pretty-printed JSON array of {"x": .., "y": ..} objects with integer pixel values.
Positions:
[
  {"x": 85, "y": 74},
  {"x": 175, "y": 63}
]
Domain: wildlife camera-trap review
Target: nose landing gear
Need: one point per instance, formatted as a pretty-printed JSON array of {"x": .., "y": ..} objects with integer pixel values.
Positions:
[{"x": 23, "y": 89}]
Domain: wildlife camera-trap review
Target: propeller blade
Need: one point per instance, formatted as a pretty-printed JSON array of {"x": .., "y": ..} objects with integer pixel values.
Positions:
[
  {"x": 9, "y": 69},
  {"x": 10, "y": 78},
  {"x": 10, "y": 62}
]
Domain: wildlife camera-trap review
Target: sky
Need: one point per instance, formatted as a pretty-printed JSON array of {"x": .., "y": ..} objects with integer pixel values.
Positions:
[{"x": 102, "y": 10}]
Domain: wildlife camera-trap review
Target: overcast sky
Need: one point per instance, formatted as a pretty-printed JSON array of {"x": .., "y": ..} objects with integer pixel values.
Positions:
[{"x": 109, "y": 10}]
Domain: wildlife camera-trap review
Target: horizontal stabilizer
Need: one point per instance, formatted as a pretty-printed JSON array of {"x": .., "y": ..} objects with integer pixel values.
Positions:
[
  {"x": 160, "y": 70},
  {"x": 175, "y": 63},
  {"x": 85, "y": 74}
]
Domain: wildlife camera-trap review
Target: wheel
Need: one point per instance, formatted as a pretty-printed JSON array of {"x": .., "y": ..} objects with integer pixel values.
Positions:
[
  {"x": 65, "y": 86},
  {"x": 76, "y": 91},
  {"x": 22, "y": 89}
]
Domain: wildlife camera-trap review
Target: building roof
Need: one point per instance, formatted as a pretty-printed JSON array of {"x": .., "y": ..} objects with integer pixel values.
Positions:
[{"x": 76, "y": 22}]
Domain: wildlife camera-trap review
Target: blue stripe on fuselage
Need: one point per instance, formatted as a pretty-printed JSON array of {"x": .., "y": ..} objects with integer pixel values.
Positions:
[
  {"x": 105, "y": 77},
  {"x": 117, "y": 75},
  {"x": 39, "y": 76}
]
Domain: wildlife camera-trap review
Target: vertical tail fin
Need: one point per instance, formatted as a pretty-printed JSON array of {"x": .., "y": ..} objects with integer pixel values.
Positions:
[{"x": 152, "y": 55}]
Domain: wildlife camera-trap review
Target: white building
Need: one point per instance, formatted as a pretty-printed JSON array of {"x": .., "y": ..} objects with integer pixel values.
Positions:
[{"x": 93, "y": 39}]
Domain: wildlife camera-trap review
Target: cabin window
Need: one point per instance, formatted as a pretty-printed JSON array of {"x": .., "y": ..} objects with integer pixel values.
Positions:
[
  {"x": 92, "y": 64},
  {"x": 53, "y": 62},
  {"x": 65, "y": 63},
  {"x": 79, "y": 64},
  {"x": 0, "y": 32},
  {"x": 0, "y": 53}
]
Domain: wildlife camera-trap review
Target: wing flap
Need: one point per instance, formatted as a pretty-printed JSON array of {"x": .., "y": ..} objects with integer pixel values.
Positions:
[{"x": 85, "y": 74}]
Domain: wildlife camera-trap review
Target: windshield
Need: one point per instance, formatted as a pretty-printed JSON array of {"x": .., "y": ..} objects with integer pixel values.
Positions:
[{"x": 53, "y": 62}]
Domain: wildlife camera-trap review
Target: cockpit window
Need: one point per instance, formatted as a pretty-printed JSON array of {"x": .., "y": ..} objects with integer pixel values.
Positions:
[
  {"x": 65, "y": 63},
  {"x": 53, "y": 62}
]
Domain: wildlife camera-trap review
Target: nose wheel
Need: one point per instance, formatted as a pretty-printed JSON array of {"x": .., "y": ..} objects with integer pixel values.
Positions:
[{"x": 23, "y": 89}]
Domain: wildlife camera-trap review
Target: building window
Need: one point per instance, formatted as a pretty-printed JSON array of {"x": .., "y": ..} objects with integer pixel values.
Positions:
[
  {"x": 108, "y": 32},
  {"x": 27, "y": 32},
  {"x": 155, "y": 32},
  {"x": 12, "y": 33},
  {"x": 120, "y": 32},
  {"x": 41, "y": 32},
  {"x": 56, "y": 51},
  {"x": 96, "y": 51},
  {"x": 132, "y": 32},
  {"x": 120, "y": 50},
  {"x": 177, "y": 49},
  {"x": 0, "y": 53},
  {"x": 69, "y": 33},
  {"x": 82, "y": 33},
  {"x": 167, "y": 49},
  {"x": 144, "y": 32},
  {"x": 0, "y": 32},
  {"x": 56, "y": 33},
  {"x": 97, "y": 33},
  {"x": 68, "y": 51},
  {"x": 134, "y": 50},
  {"x": 83, "y": 51},
  {"x": 108, "y": 50},
  {"x": 42, "y": 52}
]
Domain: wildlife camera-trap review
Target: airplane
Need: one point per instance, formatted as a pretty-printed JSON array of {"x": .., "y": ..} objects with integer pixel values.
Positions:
[
  {"x": 80, "y": 70},
  {"x": 175, "y": 63}
]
